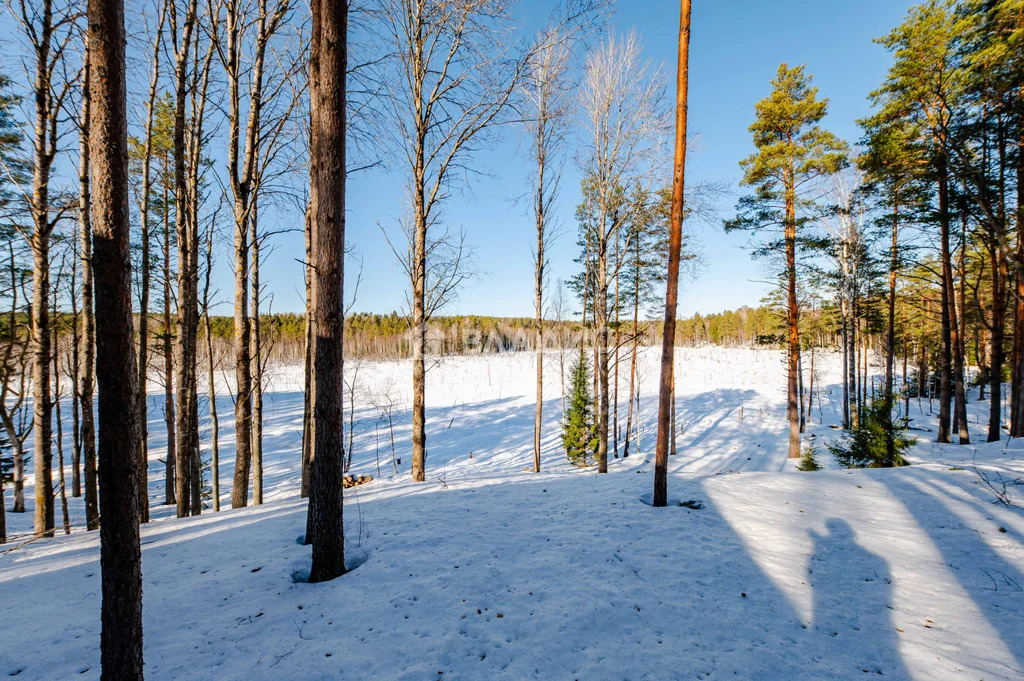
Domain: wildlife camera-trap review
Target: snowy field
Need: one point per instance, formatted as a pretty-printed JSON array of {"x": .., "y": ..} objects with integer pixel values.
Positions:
[{"x": 487, "y": 571}]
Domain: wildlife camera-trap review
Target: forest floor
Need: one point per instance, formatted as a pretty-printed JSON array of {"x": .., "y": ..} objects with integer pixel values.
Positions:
[{"x": 487, "y": 571}]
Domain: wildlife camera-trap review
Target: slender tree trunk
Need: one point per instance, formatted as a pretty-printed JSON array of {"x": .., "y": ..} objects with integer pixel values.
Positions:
[
  {"x": 890, "y": 335},
  {"x": 186, "y": 446},
  {"x": 60, "y": 426},
  {"x": 88, "y": 329},
  {"x": 243, "y": 365},
  {"x": 538, "y": 417},
  {"x": 633, "y": 353},
  {"x": 257, "y": 374},
  {"x": 116, "y": 371},
  {"x": 1017, "y": 369},
  {"x": 675, "y": 245},
  {"x": 211, "y": 383},
  {"x": 853, "y": 361},
  {"x": 946, "y": 352},
  {"x": 147, "y": 158},
  {"x": 601, "y": 308},
  {"x": 307, "y": 394},
  {"x": 170, "y": 462},
  {"x": 328, "y": 66}
]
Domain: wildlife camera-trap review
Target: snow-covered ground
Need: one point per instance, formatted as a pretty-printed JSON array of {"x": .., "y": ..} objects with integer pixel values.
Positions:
[{"x": 487, "y": 571}]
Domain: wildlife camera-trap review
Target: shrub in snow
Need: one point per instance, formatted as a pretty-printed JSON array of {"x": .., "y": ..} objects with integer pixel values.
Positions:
[
  {"x": 809, "y": 459},
  {"x": 579, "y": 432},
  {"x": 878, "y": 441}
]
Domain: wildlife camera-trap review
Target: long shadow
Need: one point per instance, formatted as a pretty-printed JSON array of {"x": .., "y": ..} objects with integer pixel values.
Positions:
[
  {"x": 971, "y": 559},
  {"x": 843, "y": 574},
  {"x": 554, "y": 578}
]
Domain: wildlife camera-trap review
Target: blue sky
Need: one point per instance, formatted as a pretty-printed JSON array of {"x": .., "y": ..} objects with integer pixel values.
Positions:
[{"x": 736, "y": 47}]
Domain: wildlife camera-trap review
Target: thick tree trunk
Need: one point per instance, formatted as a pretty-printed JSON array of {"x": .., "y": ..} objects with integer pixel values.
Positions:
[
  {"x": 328, "y": 66},
  {"x": 116, "y": 370},
  {"x": 665, "y": 406}
]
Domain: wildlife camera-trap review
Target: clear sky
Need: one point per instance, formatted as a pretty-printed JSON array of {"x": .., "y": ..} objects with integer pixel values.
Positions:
[{"x": 736, "y": 46}]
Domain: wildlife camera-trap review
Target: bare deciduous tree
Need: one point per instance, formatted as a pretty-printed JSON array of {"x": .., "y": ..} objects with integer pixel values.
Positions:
[{"x": 621, "y": 98}]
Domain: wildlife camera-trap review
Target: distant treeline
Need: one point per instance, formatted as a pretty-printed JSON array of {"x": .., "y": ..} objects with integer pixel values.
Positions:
[{"x": 388, "y": 336}]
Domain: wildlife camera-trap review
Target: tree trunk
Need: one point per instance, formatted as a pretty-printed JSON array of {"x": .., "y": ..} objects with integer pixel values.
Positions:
[
  {"x": 170, "y": 461},
  {"x": 794, "y": 321},
  {"x": 211, "y": 379},
  {"x": 419, "y": 340},
  {"x": 538, "y": 291},
  {"x": 60, "y": 424},
  {"x": 1017, "y": 370},
  {"x": 946, "y": 352},
  {"x": 144, "y": 285},
  {"x": 601, "y": 310},
  {"x": 116, "y": 371},
  {"x": 187, "y": 445},
  {"x": 307, "y": 393},
  {"x": 88, "y": 329},
  {"x": 665, "y": 408},
  {"x": 41, "y": 399},
  {"x": 257, "y": 373},
  {"x": 890, "y": 335},
  {"x": 328, "y": 66}
]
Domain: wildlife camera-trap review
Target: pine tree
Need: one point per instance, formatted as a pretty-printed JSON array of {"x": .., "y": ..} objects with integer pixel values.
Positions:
[
  {"x": 579, "y": 433},
  {"x": 793, "y": 154}
]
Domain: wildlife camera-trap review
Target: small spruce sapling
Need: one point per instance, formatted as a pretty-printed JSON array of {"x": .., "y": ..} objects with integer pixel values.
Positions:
[
  {"x": 866, "y": 445},
  {"x": 809, "y": 459},
  {"x": 578, "y": 429}
]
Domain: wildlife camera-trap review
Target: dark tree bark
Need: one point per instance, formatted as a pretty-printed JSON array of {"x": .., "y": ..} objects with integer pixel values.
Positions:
[
  {"x": 116, "y": 370},
  {"x": 946, "y": 351},
  {"x": 890, "y": 331},
  {"x": 88, "y": 329},
  {"x": 186, "y": 421},
  {"x": 43, "y": 157},
  {"x": 307, "y": 373},
  {"x": 1017, "y": 370},
  {"x": 327, "y": 83},
  {"x": 665, "y": 407}
]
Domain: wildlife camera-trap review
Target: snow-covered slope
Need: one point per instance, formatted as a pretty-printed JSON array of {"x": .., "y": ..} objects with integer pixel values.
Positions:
[{"x": 490, "y": 572}]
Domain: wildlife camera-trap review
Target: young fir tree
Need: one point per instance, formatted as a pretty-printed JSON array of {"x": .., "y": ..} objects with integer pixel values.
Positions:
[
  {"x": 578, "y": 429},
  {"x": 793, "y": 154},
  {"x": 877, "y": 442}
]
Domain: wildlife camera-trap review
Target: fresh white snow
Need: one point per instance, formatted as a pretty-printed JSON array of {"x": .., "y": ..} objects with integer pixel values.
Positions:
[{"x": 487, "y": 571}]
